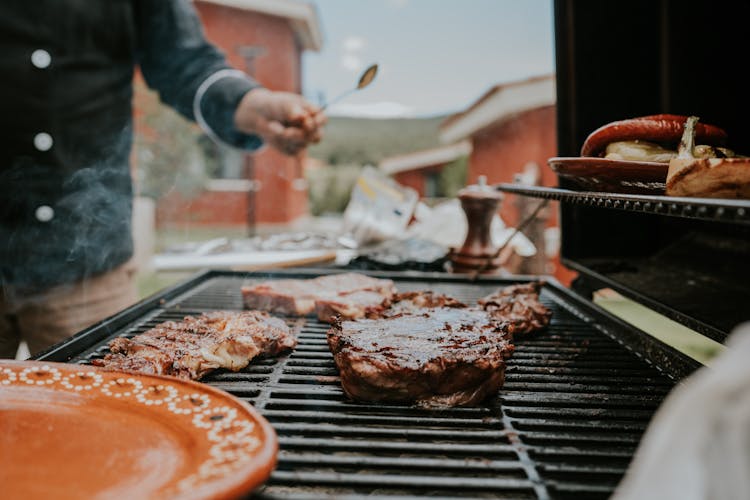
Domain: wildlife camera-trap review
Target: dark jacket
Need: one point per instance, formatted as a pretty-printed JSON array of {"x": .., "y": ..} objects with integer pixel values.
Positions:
[{"x": 66, "y": 124}]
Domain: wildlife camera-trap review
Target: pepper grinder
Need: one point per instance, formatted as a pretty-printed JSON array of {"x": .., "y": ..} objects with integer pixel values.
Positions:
[{"x": 478, "y": 253}]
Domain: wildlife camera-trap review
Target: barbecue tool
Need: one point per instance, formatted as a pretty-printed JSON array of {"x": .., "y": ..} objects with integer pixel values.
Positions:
[{"x": 364, "y": 80}]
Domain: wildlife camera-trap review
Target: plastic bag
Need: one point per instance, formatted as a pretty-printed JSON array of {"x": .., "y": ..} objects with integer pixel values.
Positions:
[{"x": 379, "y": 209}]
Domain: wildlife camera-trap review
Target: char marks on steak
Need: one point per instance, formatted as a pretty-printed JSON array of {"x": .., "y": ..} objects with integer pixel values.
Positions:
[
  {"x": 415, "y": 302},
  {"x": 520, "y": 306},
  {"x": 353, "y": 305},
  {"x": 292, "y": 297},
  {"x": 444, "y": 356},
  {"x": 195, "y": 346},
  {"x": 349, "y": 295}
]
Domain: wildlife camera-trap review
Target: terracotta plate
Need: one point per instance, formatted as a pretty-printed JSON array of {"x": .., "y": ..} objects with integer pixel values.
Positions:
[
  {"x": 618, "y": 176},
  {"x": 72, "y": 431}
]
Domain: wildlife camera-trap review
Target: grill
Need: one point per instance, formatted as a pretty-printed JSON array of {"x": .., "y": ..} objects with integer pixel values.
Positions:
[{"x": 565, "y": 425}]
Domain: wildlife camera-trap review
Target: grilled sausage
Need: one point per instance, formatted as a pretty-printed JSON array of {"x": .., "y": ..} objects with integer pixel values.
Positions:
[{"x": 654, "y": 128}]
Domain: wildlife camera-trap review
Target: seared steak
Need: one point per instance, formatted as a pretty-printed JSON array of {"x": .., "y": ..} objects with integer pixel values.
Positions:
[
  {"x": 353, "y": 305},
  {"x": 520, "y": 306},
  {"x": 415, "y": 302},
  {"x": 349, "y": 295},
  {"x": 437, "y": 357},
  {"x": 197, "y": 345},
  {"x": 292, "y": 297}
]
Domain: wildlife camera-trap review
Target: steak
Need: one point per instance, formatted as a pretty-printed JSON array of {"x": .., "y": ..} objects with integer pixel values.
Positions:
[
  {"x": 437, "y": 357},
  {"x": 519, "y": 305},
  {"x": 195, "y": 346},
  {"x": 415, "y": 302},
  {"x": 291, "y": 297},
  {"x": 350, "y": 295},
  {"x": 353, "y": 305}
]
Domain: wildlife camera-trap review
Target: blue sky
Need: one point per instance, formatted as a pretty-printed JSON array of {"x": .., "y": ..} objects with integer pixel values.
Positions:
[{"x": 435, "y": 56}]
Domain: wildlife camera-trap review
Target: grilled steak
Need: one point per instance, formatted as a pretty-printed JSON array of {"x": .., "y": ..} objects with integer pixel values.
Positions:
[
  {"x": 438, "y": 357},
  {"x": 520, "y": 306},
  {"x": 349, "y": 295},
  {"x": 292, "y": 297},
  {"x": 415, "y": 302},
  {"x": 197, "y": 345},
  {"x": 353, "y": 305}
]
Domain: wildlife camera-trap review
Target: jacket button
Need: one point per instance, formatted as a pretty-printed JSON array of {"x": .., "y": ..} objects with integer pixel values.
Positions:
[
  {"x": 41, "y": 58},
  {"x": 44, "y": 213},
  {"x": 43, "y": 141}
]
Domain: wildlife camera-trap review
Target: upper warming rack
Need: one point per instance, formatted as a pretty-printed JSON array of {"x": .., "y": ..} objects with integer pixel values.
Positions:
[{"x": 717, "y": 210}]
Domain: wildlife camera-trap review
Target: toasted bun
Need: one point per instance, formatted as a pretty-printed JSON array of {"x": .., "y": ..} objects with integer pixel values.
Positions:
[{"x": 709, "y": 177}]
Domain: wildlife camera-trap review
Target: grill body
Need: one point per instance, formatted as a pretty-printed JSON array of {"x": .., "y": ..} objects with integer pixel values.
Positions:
[{"x": 565, "y": 425}]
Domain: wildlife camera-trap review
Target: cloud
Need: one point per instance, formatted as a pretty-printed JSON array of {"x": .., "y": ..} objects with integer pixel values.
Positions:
[
  {"x": 350, "y": 58},
  {"x": 350, "y": 62},
  {"x": 382, "y": 109},
  {"x": 354, "y": 43}
]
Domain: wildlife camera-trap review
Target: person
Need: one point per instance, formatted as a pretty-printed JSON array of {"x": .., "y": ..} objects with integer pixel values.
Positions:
[{"x": 66, "y": 126}]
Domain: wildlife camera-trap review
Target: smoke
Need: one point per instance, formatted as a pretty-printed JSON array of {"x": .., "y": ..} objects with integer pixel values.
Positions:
[{"x": 60, "y": 224}]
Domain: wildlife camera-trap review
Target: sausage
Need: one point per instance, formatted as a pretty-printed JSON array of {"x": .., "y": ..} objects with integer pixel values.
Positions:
[{"x": 652, "y": 128}]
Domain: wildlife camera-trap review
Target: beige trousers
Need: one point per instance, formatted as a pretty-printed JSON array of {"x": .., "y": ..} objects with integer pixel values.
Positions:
[{"x": 49, "y": 317}]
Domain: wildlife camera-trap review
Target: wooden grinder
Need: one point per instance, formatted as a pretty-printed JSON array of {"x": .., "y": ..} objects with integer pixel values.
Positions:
[{"x": 480, "y": 203}]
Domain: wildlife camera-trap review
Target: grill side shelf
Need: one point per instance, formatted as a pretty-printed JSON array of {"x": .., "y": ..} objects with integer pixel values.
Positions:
[{"x": 717, "y": 210}]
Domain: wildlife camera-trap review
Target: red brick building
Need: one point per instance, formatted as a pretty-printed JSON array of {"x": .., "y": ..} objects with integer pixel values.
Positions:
[
  {"x": 512, "y": 132},
  {"x": 419, "y": 170},
  {"x": 266, "y": 39}
]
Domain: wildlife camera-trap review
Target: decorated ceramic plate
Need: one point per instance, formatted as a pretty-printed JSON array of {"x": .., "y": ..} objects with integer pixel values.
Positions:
[
  {"x": 617, "y": 176},
  {"x": 72, "y": 431}
]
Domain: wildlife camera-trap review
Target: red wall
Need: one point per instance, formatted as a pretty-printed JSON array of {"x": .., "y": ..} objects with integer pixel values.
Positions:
[
  {"x": 278, "y": 68},
  {"x": 209, "y": 208},
  {"x": 501, "y": 151},
  {"x": 415, "y": 179}
]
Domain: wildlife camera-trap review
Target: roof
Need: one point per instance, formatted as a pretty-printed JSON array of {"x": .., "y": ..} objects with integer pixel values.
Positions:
[
  {"x": 425, "y": 158},
  {"x": 498, "y": 104},
  {"x": 302, "y": 16}
]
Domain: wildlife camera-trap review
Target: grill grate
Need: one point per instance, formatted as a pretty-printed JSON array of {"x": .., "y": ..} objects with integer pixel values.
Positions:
[{"x": 565, "y": 425}]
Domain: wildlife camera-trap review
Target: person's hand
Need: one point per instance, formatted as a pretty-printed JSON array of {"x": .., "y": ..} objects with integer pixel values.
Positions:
[{"x": 286, "y": 121}]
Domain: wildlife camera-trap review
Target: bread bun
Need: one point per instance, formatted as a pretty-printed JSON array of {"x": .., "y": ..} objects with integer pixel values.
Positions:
[{"x": 709, "y": 177}]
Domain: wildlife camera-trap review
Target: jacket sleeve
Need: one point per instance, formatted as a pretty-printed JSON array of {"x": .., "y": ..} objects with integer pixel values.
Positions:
[{"x": 189, "y": 73}]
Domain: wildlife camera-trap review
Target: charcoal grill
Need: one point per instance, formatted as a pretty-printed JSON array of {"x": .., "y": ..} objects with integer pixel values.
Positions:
[{"x": 576, "y": 400}]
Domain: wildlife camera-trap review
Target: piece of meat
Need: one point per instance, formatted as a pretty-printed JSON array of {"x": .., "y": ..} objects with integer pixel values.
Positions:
[
  {"x": 414, "y": 302},
  {"x": 353, "y": 305},
  {"x": 519, "y": 305},
  {"x": 272, "y": 338},
  {"x": 350, "y": 295},
  {"x": 291, "y": 297},
  {"x": 437, "y": 357},
  {"x": 195, "y": 346}
]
